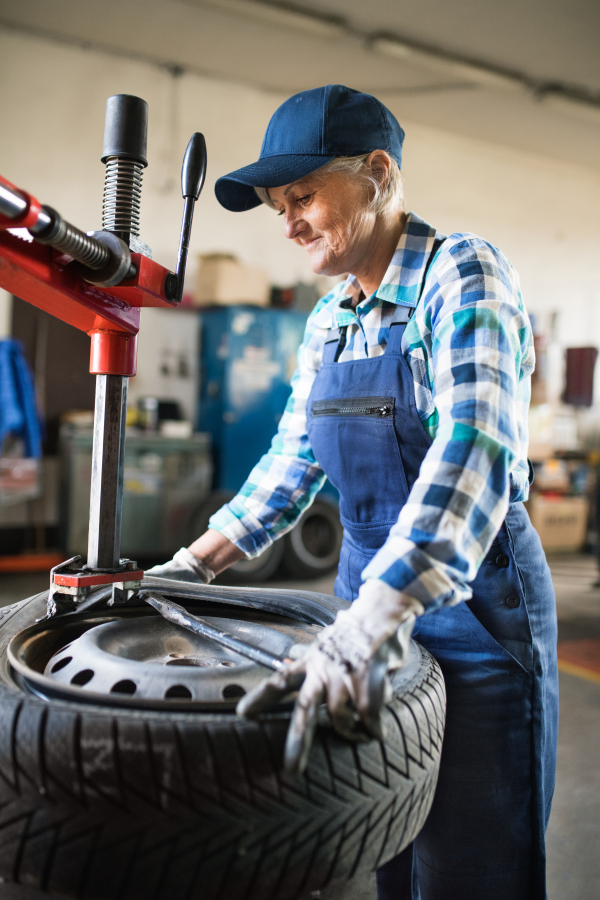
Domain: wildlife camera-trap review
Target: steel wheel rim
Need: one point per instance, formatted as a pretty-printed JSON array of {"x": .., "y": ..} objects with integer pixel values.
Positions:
[{"x": 86, "y": 638}]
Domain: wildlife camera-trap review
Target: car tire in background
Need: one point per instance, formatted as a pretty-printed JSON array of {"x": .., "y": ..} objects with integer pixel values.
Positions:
[
  {"x": 245, "y": 571},
  {"x": 260, "y": 568},
  {"x": 310, "y": 550},
  {"x": 312, "y": 547}
]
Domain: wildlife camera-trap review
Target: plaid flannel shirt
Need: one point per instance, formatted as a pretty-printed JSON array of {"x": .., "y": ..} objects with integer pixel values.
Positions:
[{"x": 469, "y": 346}]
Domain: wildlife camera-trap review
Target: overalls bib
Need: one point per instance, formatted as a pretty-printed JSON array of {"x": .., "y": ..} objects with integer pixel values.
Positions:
[{"x": 484, "y": 837}]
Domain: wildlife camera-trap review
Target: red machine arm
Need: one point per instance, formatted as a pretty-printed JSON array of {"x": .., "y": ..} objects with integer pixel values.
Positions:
[{"x": 97, "y": 284}]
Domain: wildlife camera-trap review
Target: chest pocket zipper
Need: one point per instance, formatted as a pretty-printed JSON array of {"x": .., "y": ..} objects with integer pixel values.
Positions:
[{"x": 376, "y": 407}]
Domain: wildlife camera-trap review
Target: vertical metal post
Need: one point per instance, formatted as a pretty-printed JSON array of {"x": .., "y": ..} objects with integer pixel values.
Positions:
[
  {"x": 106, "y": 499},
  {"x": 124, "y": 152}
]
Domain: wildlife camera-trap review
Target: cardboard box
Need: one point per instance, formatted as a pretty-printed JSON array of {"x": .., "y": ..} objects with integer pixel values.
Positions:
[
  {"x": 553, "y": 476},
  {"x": 561, "y": 522},
  {"x": 541, "y": 434},
  {"x": 223, "y": 280}
]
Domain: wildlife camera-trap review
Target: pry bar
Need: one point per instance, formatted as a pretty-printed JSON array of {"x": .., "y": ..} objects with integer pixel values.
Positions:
[{"x": 176, "y": 614}]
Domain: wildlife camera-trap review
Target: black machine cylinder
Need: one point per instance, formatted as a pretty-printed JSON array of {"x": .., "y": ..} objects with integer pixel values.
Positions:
[
  {"x": 124, "y": 152},
  {"x": 126, "y": 128}
]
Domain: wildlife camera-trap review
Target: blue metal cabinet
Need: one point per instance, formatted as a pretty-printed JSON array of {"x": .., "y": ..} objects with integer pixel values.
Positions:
[{"x": 247, "y": 358}]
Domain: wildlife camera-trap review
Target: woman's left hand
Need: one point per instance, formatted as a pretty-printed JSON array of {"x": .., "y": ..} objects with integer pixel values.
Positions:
[{"x": 347, "y": 667}]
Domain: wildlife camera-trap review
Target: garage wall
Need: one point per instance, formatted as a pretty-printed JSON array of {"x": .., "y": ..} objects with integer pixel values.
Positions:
[{"x": 543, "y": 213}]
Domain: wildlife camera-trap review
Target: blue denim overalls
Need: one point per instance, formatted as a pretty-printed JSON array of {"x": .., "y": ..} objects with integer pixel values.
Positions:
[{"x": 484, "y": 837}]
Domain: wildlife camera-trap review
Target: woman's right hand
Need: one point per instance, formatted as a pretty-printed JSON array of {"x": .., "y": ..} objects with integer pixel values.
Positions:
[
  {"x": 201, "y": 561},
  {"x": 183, "y": 567},
  {"x": 347, "y": 667}
]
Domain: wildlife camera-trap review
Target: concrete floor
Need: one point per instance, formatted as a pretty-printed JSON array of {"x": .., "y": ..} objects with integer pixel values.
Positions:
[{"x": 574, "y": 830}]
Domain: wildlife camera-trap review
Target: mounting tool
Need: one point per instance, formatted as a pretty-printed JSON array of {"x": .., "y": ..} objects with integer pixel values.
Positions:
[{"x": 180, "y": 616}]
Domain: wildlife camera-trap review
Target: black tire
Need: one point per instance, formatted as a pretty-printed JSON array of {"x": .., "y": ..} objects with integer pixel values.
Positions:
[
  {"x": 312, "y": 547},
  {"x": 246, "y": 571},
  {"x": 261, "y": 568},
  {"x": 107, "y": 803}
]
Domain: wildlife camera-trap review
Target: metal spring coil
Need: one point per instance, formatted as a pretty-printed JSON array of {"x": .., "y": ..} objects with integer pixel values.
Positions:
[
  {"x": 65, "y": 237},
  {"x": 78, "y": 245},
  {"x": 122, "y": 195}
]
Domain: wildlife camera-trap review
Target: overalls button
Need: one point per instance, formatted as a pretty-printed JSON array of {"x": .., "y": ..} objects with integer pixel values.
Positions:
[
  {"x": 512, "y": 601},
  {"x": 502, "y": 561}
]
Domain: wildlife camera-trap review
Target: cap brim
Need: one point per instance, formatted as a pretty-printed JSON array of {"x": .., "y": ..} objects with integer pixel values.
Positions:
[{"x": 236, "y": 190}]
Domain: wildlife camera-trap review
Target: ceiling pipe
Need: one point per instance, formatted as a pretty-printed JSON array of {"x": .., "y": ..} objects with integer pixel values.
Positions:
[
  {"x": 568, "y": 98},
  {"x": 476, "y": 73}
]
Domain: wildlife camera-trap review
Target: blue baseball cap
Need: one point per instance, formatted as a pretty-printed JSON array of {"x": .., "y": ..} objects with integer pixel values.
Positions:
[{"x": 307, "y": 131}]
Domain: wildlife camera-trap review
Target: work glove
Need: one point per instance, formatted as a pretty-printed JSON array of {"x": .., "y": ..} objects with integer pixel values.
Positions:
[
  {"x": 183, "y": 567},
  {"x": 347, "y": 666}
]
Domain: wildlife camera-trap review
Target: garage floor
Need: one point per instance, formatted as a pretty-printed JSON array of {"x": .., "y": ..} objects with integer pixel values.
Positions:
[{"x": 574, "y": 832}]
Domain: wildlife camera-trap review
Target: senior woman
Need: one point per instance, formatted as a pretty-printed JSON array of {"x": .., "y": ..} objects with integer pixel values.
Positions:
[{"x": 411, "y": 395}]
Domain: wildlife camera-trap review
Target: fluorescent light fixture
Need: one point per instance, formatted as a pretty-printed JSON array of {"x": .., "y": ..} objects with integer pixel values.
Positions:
[
  {"x": 585, "y": 110},
  {"x": 281, "y": 14},
  {"x": 448, "y": 65}
]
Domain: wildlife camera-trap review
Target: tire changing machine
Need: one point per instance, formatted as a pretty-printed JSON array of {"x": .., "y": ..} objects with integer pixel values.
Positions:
[{"x": 98, "y": 282}]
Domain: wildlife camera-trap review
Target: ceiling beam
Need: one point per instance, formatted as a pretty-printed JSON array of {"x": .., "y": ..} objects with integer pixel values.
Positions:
[{"x": 576, "y": 99}]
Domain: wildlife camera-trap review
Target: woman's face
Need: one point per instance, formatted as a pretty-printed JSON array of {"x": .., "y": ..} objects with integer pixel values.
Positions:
[{"x": 324, "y": 215}]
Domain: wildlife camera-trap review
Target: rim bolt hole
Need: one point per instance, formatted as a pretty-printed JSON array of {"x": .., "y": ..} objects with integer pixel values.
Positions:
[
  {"x": 124, "y": 687},
  {"x": 178, "y": 692},
  {"x": 82, "y": 677},
  {"x": 233, "y": 692},
  {"x": 61, "y": 664}
]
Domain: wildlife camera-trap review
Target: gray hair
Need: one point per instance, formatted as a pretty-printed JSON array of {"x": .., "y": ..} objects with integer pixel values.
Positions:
[{"x": 386, "y": 198}]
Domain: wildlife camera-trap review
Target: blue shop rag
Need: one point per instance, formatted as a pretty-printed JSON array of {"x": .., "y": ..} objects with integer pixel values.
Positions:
[{"x": 18, "y": 409}]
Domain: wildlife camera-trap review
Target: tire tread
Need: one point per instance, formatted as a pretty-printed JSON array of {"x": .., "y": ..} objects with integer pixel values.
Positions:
[{"x": 101, "y": 804}]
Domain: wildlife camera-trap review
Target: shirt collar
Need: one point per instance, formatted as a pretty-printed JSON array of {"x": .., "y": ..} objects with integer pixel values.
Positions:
[{"x": 401, "y": 283}]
